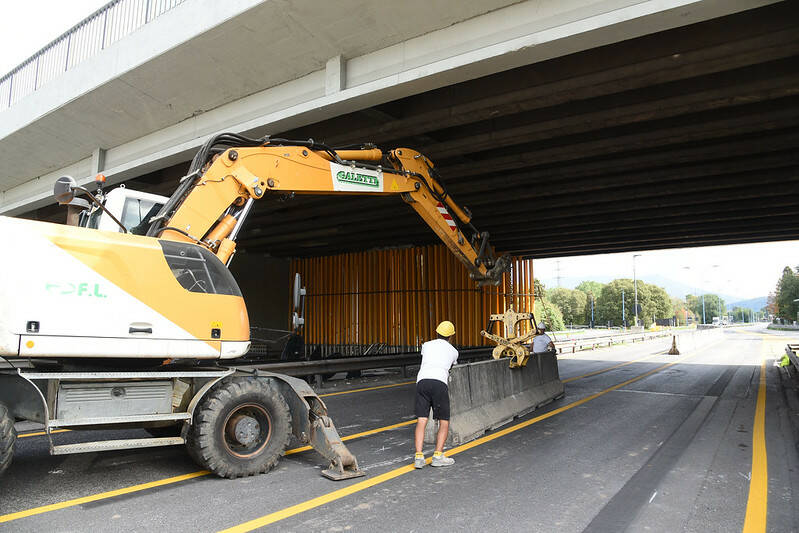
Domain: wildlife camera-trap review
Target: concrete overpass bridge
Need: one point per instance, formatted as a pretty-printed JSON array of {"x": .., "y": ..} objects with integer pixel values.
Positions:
[{"x": 568, "y": 127}]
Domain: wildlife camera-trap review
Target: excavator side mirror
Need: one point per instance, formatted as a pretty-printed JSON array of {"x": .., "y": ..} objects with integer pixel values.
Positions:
[
  {"x": 299, "y": 291},
  {"x": 64, "y": 189}
]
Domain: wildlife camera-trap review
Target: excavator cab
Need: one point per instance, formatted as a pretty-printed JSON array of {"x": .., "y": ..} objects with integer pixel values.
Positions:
[{"x": 134, "y": 209}]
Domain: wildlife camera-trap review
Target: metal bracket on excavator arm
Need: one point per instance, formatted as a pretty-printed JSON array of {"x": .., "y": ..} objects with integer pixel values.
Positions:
[{"x": 493, "y": 276}]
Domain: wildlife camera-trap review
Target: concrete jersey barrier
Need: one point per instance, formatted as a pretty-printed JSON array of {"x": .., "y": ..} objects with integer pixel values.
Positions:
[{"x": 488, "y": 394}]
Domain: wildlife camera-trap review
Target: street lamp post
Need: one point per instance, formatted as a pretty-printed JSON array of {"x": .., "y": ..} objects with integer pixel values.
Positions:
[
  {"x": 687, "y": 268},
  {"x": 718, "y": 300},
  {"x": 635, "y": 287},
  {"x": 623, "y": 318},
  {"x": 592, "y": 310},
  {"x": 703, "y": 310}
]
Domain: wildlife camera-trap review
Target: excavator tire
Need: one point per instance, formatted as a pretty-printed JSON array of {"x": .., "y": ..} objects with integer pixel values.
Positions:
[
  {"x": 241, "y": 428},
  {"x": 8, "y": 435}
]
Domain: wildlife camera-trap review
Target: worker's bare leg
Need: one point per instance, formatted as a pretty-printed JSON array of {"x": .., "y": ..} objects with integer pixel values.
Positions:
[
  {"x": 443, "y": 429},
  {"x": 421, "y": 424}
]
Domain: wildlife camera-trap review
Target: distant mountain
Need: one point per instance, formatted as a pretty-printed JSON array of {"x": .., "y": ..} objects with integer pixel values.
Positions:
[{"x": 755, "y": 304}]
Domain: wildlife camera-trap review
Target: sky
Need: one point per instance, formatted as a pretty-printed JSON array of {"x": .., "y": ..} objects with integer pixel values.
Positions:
[
  {"x": 741, "y": 270},
  {"x": 744, "y": 271},
  {"x": 28, "y": 26}
]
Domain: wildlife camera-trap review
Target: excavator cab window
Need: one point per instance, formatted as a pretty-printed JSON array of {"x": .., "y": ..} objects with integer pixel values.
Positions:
[
  {"x": 137, "y": 213},
  {"x": 198, "y": 270},
  {"x": 91, "y": 217}
]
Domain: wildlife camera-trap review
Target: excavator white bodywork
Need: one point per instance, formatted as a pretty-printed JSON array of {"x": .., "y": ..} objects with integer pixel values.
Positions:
[{"x": 104, "y": 321}]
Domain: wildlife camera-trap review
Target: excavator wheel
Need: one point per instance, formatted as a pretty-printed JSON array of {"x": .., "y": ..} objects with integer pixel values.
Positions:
[
  {"x": 241, "y": 428},
  {"x": 8, "y": 435}
]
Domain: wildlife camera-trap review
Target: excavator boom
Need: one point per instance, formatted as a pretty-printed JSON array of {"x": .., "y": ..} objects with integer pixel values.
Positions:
[{"x": 216, "y": 196}]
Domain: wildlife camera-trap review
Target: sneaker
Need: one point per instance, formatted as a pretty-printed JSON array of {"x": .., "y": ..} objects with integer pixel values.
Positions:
[
  {"x": 442, "y": 460},
  {"x": 418, "y": 461}
]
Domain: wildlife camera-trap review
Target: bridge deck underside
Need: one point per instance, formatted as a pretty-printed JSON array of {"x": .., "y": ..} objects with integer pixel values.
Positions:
[{"x": 682, "y": 138}]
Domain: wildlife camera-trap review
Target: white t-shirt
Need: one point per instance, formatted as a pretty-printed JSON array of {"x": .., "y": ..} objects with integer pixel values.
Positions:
[
  {"x": 540, "y": 343},
  {"x": 437, "y": 357}
]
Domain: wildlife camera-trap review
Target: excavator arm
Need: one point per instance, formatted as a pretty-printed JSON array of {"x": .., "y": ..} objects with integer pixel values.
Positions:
[{"x": 230, "y": 172}]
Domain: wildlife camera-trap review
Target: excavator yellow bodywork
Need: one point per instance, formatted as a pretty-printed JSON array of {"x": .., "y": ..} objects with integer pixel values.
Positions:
[{"x": 105, "y": 327}]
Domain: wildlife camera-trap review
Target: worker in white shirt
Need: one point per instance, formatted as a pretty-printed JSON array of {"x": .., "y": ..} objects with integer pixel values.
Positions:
[
  {"x": 542, "y": 343},
  {"x": 432, "y": 391}
]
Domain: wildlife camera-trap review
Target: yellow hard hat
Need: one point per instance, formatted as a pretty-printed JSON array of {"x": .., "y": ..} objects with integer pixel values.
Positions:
[{"x": 446, "y": 329}]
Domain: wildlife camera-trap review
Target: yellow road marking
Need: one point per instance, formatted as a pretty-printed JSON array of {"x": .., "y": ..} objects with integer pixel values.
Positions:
[
  {"x": 40, "y": 433},
  {"x": 757, "y": 504},
  {"x": 368, "y": 388},
  {"x": 101, "y": 496},
  {"x": 357, "y": 435},
  {"x": 765, "y": 336},
  {"x": 357, "y": 487},
  {"x": 167, "y": 481}
]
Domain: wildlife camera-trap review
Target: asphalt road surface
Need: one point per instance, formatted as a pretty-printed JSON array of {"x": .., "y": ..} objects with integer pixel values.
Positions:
[{"x": 642, "y": 441}]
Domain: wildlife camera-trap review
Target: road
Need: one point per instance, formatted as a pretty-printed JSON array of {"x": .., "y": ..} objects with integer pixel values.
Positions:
[{"x": 642, "y": 441}]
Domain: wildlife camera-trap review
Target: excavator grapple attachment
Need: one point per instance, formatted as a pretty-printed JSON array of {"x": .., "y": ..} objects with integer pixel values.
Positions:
[
  {"x": 511, "y": 346},
  {"x": 326, "y": 440}
]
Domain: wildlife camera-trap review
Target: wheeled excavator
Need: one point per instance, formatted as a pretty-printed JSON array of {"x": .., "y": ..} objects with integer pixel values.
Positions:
[{"x": 126, "y": 316}]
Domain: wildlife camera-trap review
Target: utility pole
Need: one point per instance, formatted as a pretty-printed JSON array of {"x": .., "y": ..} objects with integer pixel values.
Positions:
[
  {"x": 718, "y": 298},
  {"x": 558, "y": 270},
  {"x": 635, "y": 287},
  {"x": 703, "y": 310},
  {"x": 687, "y": 268},
  {"x": 623, "y": 319},
  {"x": 592, "y": 310}
]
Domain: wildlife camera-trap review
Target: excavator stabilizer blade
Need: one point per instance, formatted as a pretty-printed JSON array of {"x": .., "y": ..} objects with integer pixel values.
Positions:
[{"x": 326, "y": 440}]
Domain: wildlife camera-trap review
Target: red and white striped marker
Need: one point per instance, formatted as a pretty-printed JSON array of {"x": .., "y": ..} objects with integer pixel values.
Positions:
[{"x": 447, "y": 216}]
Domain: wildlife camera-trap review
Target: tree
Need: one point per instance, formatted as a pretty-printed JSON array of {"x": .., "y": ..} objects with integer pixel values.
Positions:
[
  {"x": 548, "y": 313},
  {"x": 544, "y": 310},
  {"x": 592, "y": 290},
  {"x": 653, "y": 300},
  {"x": 608, "y": 307},
  {"x": 742, "y": 314},
  {"x": 681, "y": 312},
  {"x": 590, "y": 287},
  {"x": 661, "y": 306},
  {"x": 787, "y": 291},
  {"x": 713, "y": 305},
  {"x": 771, "y": 304},
  {"x": 570, "y": 302}
]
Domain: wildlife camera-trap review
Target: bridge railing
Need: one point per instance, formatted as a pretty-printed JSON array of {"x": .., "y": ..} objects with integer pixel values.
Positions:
[{"x": 93, "y": 34}]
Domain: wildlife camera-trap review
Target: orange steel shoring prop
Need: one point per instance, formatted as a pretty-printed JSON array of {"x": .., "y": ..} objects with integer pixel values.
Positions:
[{"x": 397, "y": 297}]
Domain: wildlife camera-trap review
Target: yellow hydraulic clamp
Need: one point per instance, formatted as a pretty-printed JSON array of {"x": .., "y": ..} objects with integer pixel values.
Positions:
[{"x": 511, "y": 346}]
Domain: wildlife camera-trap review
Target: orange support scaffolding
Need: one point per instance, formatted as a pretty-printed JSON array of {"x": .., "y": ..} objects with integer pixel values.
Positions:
[{"x": 397, "y": 297}]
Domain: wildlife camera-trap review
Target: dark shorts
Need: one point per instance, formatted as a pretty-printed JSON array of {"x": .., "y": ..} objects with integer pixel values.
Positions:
[{"x": 435, "y": 394}]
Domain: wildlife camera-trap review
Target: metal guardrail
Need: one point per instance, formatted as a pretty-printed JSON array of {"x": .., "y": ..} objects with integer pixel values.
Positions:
[
  {"x": 348, "y": 364},
  {"x": 404, "y": 360},
  {"x": 608, "y": 340},
  {"x": 93, "y": 34}
]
